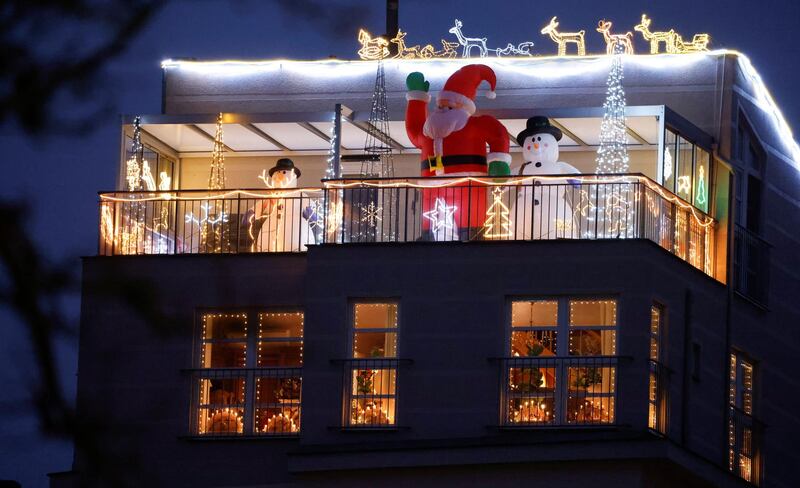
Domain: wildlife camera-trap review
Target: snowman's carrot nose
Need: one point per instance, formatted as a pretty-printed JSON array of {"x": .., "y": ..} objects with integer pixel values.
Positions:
[{"x": 536, "y": 145}]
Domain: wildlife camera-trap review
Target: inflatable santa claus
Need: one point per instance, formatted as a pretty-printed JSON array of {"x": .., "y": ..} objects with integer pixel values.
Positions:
[{"x": 453, "y": 142}]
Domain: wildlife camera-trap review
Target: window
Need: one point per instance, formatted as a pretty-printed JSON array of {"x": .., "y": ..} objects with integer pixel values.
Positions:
[
  {"x": 686, "y": 170},
  {"x": 744, "y": 432},
  {"x": 248, "y": 380},
  {"x": 159, "y": 173},
  {"x": 371, "y": 382},
  {"x": 658, "y": 384},
  {"x": 562, "y": 365},
  {"x": 670, "y": 158}
]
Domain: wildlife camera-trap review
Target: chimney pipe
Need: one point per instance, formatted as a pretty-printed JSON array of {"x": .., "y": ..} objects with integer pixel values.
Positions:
[{"x": 392, "y": 7}]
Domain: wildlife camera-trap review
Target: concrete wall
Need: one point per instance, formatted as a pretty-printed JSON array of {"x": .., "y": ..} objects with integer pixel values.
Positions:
[{"x": 453, "y": 319}]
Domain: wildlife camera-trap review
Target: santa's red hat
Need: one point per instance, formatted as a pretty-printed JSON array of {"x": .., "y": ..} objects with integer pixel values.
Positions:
[{"x": 463, "y": 84}]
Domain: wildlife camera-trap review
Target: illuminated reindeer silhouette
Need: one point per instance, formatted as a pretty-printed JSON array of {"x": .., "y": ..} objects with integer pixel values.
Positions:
[
  {"x": 562, "y": 38},
  {"x": 468, "y": 42},
  {"x": 656, "y": 38},
  {"x": 372, "y": 48},
  {"x": 625, "y": 40},
  {"x": 404, "y": 52}
]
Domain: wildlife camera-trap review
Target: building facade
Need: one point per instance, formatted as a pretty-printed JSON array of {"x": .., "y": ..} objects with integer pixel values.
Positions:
[{"x": 351, "y": 332}]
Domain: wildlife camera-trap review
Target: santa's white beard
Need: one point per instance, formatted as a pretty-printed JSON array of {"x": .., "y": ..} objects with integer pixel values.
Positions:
[{"x": 441, "y": 123}]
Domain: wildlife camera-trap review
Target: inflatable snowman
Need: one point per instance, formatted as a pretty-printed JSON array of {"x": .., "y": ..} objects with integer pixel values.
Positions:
[
  {"x": 543, "y": 209},
  {"x": 283, "y": 225}
]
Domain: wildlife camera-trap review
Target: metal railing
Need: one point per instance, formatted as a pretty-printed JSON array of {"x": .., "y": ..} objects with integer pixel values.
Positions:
[
  {"x": 370, "y": 399},
  {"x": 202, "y": 221},
  {"x": 516, "y": 209},
  {"x": 246, "y": 401},
  {"x": 406, "y": 210},
  {"x": 745, "y": 438},
  {"x": 658, "y": 397},
  {"x": 558, "y": 391},
  {"x": 751, "y": 265}
]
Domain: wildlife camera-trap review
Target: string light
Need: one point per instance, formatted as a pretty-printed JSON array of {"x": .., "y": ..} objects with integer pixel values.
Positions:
[
  {"x": 371, "y": 214},
  {"x": 699, "y": 43},
  {"x": 613, "y": 40},
  {"x": 701, "y": 186},
  {"x": 372, "y": 48},
  {"x": 564, "y": 38},
  {"x": 441, "y": 216},
  {"x": 497, "y": 224},
  {"x": 656, "y": 38},
  {"x": 216, "y": 180},
  {"x": 469, "y": 43}
]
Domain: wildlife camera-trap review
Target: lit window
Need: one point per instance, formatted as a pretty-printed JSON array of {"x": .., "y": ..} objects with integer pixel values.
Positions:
[
  {"x": 744, "y": 431},
  {"x": 237, "y": 359},
  {"x": 658, "y": 387},
  {"x": 551, "y": 381},
  {"x": 372, "y": 370}
]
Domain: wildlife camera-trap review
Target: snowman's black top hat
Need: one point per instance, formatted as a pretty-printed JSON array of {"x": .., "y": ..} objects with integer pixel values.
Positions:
[
  {"x": 538, "y": 125},
  {"x": 284, "y": 164}
]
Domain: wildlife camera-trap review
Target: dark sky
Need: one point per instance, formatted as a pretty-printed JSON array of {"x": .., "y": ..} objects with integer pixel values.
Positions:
[{"x": 60, "y": 176}]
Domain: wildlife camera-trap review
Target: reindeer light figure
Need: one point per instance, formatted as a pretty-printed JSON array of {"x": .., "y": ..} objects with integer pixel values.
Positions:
[
  {"x": 699, "y": 43},
  {"x": 625, "y": 40},
  {"x": 656, "y": 38},
  {"x": 563, "y": 38},
  {"x": 404, "y": 52},
  {"x": 468, "y": 42},
  {"x": 372, "y": 48}
]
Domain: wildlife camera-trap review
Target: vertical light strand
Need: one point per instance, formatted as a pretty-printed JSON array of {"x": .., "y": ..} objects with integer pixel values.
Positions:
[
  {"x": 612, "y": 155},
  {"x": 216, "y": 180}
]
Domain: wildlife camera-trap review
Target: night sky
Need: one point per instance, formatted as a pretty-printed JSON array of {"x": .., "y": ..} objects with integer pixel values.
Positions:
[{"x": 59, "y": 176}]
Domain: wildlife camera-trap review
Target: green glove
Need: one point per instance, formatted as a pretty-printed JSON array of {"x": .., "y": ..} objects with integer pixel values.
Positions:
[
  {"x": 499, "y": 168},
  {"x": 416, "y": 82}
]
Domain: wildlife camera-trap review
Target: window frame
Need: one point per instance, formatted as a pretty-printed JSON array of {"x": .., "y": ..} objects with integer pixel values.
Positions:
[
  {"x": 251, "y": 373},
  {"x": 389, "y": 364},
  {"x": 658, "y": 381},
  {"x": 563, "y": 391}
]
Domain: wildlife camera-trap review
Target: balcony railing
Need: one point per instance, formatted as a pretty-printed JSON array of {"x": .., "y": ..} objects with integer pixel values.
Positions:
[
  {"x": 558, "y": 391},
  {"x": 370, "y": 399},
  {"x": 406, "y": 210},
  {"x": 750, "y": 265},
  {"x": 745, "y": 437},
  {"x": 246, "y": 401},
  {"x": 201, "y": 221}
]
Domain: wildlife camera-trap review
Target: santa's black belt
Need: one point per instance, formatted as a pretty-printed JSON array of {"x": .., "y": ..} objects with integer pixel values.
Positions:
[{"x": 454, "y": 160}]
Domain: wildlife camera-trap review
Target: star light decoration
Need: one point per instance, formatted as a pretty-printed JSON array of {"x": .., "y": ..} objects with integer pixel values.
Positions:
[
  {"x": 441, "y": 216},
  {"x": 371, "y": 214}
]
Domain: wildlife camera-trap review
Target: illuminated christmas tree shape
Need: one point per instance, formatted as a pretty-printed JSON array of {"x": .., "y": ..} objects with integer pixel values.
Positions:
[
  {"x": 612, "y": 155},
  {"x": 497, "y": 224},
  {"x": 701, "y": 186},
  {"x": 216, "y": 180},
  {"x": 441, "y": 216}
]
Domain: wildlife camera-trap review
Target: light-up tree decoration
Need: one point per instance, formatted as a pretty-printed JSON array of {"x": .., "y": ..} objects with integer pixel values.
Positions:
[
  {"x": 133, "y": 228},
  {"x": 216, "y": 180},
  {"x": 497, "y": 225},
  {"x": 612, "y": 156}
]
